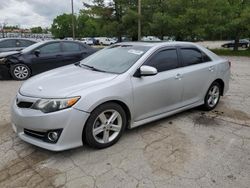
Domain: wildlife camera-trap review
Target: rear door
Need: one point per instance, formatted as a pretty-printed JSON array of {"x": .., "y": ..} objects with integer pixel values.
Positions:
[
  {"x": 198, "y": 73},
  {"x": 73, "y": 52},
  {"x": 50, "y": 56},
  {"x": 160, "y": 93}
]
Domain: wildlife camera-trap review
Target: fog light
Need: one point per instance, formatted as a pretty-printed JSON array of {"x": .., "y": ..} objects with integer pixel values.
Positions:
[{"x": 53, "y": 136}]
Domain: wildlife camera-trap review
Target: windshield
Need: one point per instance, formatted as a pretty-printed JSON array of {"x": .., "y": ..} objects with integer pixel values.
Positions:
[{"x": 115, "y": 59}]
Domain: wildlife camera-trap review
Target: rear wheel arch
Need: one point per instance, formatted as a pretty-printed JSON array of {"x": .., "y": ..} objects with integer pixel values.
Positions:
[{"x": 221, "y": 83}]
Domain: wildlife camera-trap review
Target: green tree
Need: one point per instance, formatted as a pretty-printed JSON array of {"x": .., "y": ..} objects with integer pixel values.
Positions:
[
  {"x": 237, "y": 24},
  {"x": 36, "y": 30},
  {"x": 185, "y": 20},
  {"x": 62, "y": 26}
]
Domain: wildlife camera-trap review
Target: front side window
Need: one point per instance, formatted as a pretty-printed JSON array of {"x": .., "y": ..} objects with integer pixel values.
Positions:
[
  {"x": 115, "y": 59},
  {"x": 50, "y": 48},
  {"x": 164, "y": 60},
  {"x": 71, "y": 47},
  {"x": 191, "y": 56}
]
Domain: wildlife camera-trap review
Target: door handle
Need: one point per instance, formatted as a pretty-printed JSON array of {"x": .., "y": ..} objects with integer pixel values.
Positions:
[
  {"x": 178, "y": 76},
  {"x": 211, "y": 69}
]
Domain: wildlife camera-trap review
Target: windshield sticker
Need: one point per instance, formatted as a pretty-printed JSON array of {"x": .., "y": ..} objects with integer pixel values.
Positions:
[{"x": 136, "y": 52}]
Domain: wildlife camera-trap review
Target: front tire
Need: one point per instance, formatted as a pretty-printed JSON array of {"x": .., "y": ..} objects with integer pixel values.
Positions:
[
  {"x": 212, "y": 97},
  {"x": 20, "y": 72},
  {"x": 105, "y": 126}
]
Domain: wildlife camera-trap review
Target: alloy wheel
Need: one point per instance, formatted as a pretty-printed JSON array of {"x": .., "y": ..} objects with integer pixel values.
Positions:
[
  {"x": 107, "y": 126},
  {"x": 213, "y": 96}
]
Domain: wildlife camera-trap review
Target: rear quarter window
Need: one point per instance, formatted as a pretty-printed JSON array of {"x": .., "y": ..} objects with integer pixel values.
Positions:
[{"x": 191, "y": 56}]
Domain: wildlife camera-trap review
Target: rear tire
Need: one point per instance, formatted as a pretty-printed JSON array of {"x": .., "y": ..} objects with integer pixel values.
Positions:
[
  {"x": 105, "y": 125},
  {"x": 212, "y": 97},
  {"x": 20, "y": 72}
]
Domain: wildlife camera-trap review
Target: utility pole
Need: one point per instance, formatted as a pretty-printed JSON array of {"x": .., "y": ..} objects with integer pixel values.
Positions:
[
  {"x": 139, "y": 20},
  {"x": 73, "y": 20}
]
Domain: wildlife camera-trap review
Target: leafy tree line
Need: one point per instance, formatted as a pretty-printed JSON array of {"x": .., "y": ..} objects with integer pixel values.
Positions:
[{"x": 182, "y": 19}]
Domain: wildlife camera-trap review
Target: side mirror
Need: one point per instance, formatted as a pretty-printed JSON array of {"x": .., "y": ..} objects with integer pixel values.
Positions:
[
  {"x": 37, "y": 52},
  {"x": 147, "y": 71}
]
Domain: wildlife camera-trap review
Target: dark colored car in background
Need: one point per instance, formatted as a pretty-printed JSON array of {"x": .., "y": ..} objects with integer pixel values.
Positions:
[
  {"x": 15, "y": 44},
  {"x": 243, "y": 43},
  {"x": 43, "y": 56}
]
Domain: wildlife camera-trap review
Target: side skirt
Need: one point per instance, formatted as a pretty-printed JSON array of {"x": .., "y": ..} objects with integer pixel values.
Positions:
[{"x": 163, "y": 115}]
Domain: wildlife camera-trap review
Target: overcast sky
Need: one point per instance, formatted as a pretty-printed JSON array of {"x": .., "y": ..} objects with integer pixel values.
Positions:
[{"x": 31, "y": 13}]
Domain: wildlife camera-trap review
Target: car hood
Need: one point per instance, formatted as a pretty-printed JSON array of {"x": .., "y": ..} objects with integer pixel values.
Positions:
[
  {"x": 5, "y": 54},
  {"x": 63, "y": 82}
]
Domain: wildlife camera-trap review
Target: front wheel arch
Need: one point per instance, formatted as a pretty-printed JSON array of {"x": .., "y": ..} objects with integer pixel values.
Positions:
[
  {"x": 86, "y": 138},
  {"x": 13, "y": 66}
]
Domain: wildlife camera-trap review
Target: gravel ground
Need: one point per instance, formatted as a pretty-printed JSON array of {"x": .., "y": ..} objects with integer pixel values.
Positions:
[{"x": 190, "y": 149}]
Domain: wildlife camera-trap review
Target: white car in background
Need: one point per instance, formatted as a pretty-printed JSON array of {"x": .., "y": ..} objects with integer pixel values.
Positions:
[
  {"x": 88, "y": 41},
  {"x": 150, "y": 39},
  {"x": 106, "y": 41}
]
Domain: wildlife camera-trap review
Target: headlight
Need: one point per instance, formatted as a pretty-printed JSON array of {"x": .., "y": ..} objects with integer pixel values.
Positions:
[
  {"x": 52, "y": 105},
  {"x": 3, "y": 60}
]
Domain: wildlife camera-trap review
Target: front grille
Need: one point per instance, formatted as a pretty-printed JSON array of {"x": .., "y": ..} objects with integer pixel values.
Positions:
[{"x": 36, "y": 134}]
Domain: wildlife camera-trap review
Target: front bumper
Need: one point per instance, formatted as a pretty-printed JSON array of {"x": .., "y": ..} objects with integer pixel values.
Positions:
[{"x": 71, "y": 121}]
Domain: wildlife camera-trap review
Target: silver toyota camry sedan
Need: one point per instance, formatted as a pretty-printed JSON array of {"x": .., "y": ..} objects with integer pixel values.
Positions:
[{"x": 122, "y": 86}]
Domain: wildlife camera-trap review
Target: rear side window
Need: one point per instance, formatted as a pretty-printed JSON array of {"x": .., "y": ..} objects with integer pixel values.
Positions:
[
  {"x": 164, "y": 60},
  {"x": 8, "y": 44},
  {"x": 191, "y": 56},
  {"x": 205, "y": 58},
  {"x": 50, "y": 48},
  {"x": 71, "y": 47}
]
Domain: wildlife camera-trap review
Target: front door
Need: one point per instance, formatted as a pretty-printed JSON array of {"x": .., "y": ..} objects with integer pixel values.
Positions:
[
  {"x": 154, "y": 95},
  {"x": 50, "y": 56}
]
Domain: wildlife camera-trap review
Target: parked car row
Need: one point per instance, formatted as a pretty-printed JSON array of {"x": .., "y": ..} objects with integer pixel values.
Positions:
[{"x": 43, "y": 56}]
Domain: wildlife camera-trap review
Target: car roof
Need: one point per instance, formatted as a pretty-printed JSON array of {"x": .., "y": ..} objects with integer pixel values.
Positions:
[
  {"x": 157, "y": 45},
  {"x": 160, "y": 44}
]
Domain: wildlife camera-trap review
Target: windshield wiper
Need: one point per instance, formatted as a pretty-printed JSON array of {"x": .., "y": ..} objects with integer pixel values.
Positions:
[{"x": 91, "y": 67}]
